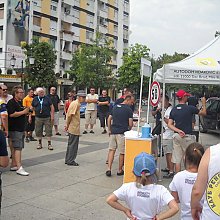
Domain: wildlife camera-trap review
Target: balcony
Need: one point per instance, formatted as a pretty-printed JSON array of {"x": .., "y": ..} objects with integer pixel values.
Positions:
[
  {"x": 67, "y": 35},
  {"x": 68, "y": 2},
  {"x": 103, "y": 29},
  {"x": 103, "y": 13},
  {"x": 67, "y": 18},
  {"x": 66, "y": 55}
]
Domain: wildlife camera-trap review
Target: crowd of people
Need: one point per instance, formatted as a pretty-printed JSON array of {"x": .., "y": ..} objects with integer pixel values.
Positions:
[
  {"x": 38, "y": 112},
  {"x": 196, "y": 188}
]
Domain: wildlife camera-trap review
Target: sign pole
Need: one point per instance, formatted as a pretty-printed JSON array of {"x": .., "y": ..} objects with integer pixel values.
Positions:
[
  {"x": 148, "y": 100},
  {"x": 140, "y": 101}
]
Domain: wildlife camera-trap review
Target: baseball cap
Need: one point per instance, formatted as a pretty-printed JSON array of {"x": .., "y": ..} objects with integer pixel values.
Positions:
[
  {"x": 181, "y": 93},
  {"x": 81, "y": 93},
  {"x": 144, "y": 162}
]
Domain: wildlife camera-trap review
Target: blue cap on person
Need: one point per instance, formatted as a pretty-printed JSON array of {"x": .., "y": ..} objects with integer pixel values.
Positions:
[{"x": 144, "y": 162}]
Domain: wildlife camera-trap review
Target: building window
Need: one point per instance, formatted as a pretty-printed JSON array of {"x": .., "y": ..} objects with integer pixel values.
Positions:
[
  {"x": 116, "y": 14},
  {"x": 1, "y": 13},
  {"x": 89, "y": 35},
  {"x": 126, "y": 6},
  {"x": 102, "y": 21},
  {"x": 76, "y": 16},
  {"x": 115, "y": 29},
  {"x": 1, "y": 34},
  {"x": 53, "y": 8},
  {"x": 53, "y": 43},
  {"x": 90, "y": 21},
  {"x": 115, "y": 43}
]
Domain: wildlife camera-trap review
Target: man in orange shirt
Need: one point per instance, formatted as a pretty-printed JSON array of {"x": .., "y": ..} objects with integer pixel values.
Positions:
[{"x": 30, "y": 119}]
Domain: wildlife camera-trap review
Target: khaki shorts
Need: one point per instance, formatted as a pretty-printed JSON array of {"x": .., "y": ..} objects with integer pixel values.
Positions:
[
  {"x": 117, "y": 141},
  {"x": 39, "y": 126},
  {"x": 168, "y": 146},
  {"x": 180, "y": 145},
  {"x": 90, "y": 116},
  {"x": 56, "y": 118}
]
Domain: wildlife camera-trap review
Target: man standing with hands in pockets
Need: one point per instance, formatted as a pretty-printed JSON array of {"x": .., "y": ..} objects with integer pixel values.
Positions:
[{"x": 73, "y": 128}]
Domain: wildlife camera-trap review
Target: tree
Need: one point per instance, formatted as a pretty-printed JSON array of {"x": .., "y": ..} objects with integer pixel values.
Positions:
[
  {"x": 129, "y": 72},
  {"x": 41, "y": 73},
  {"x": 90, "y": 64}
]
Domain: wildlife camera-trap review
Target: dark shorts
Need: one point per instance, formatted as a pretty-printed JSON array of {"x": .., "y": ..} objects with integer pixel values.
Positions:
[
  {"x": 28, "y": 126},
  {"x": 17, "y": 138},
  {"x": 39, "y": 125},
  {"x": 3, "y": 143}
]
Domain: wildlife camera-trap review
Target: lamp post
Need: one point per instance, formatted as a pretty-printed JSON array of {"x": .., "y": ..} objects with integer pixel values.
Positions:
[{"x": 13, "y": 61}]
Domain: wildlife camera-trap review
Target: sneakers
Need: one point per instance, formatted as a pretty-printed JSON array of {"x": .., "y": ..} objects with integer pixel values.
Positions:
[
  {"x": 92, "y": 132},
  {"x": 32, "y": 139},
  {"x": 22, "y": 172},
  {"x": 27, "y": 140},
  {"x": 169, "y": 175},
  {"x": 13, "y": 168},
  {"x": 165, "y": 170},
  {"x": 39, "y": 146},
  {"x": 50, "y": 147},
  {"x": 58, "y": 134},
  {"x": 108, "y": 173},
  {"x": 104, "y": 132},
  {"x": 85, "y": 132}
]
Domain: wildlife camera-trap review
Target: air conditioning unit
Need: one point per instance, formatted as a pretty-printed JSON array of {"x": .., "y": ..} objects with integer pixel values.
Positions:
[{"x": 66, "y": 11}]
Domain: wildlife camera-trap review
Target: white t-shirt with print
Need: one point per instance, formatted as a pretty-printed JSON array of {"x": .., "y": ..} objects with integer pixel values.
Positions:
[
  {"x": 91, "y": 106},
  {"x": 168, "y": 133},
  {"x": 144, "y": 202},
  {"x": 182, "y": 183}
]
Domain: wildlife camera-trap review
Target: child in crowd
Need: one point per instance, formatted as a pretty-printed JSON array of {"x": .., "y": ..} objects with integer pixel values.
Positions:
[
  {"x": 182, "y": 183},
  {"x": 144, "y": 198}
]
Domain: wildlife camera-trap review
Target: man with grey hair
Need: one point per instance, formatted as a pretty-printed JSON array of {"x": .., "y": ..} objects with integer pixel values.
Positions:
[
  {"x": 44, "y": 116},
  {"x": 73, "y": 128}
]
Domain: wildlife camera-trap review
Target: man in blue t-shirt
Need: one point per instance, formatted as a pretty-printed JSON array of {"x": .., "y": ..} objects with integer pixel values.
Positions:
[
  {"x": 180, "y": 121},
  {"x": 44, "y": 116},
  {"x": 120, "y": 120}
]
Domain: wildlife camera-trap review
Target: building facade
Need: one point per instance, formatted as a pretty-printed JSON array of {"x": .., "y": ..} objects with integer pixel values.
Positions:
[{"x": 65, "y": 24}]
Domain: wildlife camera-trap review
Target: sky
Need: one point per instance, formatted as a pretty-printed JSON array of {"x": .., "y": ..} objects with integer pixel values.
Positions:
[{"x": 168, "y": 26}]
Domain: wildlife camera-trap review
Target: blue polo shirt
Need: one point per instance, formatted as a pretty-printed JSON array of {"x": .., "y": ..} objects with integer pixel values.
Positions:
[
  {"x": 42, "y": 111},
  {"x": 182, "y": 116},
  {"x": 120, "y": 118}
]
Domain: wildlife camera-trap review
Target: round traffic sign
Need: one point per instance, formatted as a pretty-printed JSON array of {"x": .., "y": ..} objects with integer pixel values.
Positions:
[{"x": 154, "y": 93}]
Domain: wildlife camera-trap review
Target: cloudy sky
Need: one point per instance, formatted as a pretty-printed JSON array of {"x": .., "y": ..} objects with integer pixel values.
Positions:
[{"x": 168, "y": 26}]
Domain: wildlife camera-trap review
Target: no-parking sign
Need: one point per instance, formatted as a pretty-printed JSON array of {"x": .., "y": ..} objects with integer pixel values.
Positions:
[{"x": 154, "y": 93}]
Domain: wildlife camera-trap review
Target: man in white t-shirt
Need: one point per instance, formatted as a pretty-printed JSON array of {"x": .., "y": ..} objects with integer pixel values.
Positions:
[
  {"x": 91, "y": 111},
  {"x": 168, "y": 139}
]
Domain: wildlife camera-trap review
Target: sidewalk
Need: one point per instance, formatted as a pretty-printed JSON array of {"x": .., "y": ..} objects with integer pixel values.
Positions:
[{"x": 59, "y": 192}]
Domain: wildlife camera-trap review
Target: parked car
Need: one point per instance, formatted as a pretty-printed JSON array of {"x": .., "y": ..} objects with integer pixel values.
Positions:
[
  {"x": 211, "y": 122},
  {"x": 82, "y": 109},
  {"x": 210, "y": 101}
]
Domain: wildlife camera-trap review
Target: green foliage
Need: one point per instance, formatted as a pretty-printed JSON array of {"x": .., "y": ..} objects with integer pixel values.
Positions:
[
  {"x": 90, "y": 64},
  {"x": 165, "y": 58},
  {"x": 41, "y": 73},
  {"x": 129, "y": 72}
]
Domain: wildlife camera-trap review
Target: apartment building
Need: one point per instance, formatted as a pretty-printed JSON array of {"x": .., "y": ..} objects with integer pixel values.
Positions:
[{"x": 65, "y": 24}]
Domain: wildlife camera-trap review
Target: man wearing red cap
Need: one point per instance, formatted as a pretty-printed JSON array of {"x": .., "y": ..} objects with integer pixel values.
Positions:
[{"x": 180, "y": 122}]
